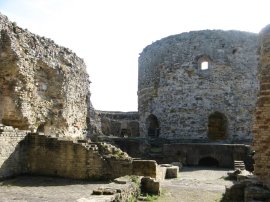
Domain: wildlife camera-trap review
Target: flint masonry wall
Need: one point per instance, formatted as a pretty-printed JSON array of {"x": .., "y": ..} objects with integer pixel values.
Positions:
[
  {"x": 262, "y": 116},
  {"x": 179, "y": 100},
  {"x": 41, "y": 84}
]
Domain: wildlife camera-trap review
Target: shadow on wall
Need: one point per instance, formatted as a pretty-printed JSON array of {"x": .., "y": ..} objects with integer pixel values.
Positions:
[
  {"x": 208, "y": 162},
  {"x": 13, "y": 156}
]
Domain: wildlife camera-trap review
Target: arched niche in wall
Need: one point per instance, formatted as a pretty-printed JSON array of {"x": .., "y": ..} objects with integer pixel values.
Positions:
[
  {"x": 203, "y": 62},
  {"x": 217, "y": 126},
  {"x": 152, "y": 126}
]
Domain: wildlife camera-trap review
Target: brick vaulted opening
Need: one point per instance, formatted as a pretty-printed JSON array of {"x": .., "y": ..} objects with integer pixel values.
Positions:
[{"x": 217, "y": 126}]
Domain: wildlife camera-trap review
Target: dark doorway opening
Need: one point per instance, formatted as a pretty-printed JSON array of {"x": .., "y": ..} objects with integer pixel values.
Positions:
[
  {"x": 208, "y": 162},
  {"x": 152, "y": 126},
  {"x": 125, "y": 133},
  {"x": 217, "y": 126}
]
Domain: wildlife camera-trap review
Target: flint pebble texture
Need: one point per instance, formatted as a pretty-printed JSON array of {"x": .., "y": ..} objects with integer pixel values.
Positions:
[{"x": 181, "y": 95}]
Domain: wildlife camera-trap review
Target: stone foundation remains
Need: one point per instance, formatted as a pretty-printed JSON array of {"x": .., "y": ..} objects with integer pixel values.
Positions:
[{"x": 30, "y": 153}]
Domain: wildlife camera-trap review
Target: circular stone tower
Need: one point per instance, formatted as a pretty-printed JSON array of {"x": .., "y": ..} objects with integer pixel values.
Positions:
[{"x": 199, "y": 86}]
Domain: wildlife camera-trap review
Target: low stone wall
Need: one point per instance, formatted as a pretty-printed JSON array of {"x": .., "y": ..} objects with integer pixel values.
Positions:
[
  {"x": 12, "y": 152},
  {"x": 22, "y": 152},
  {"x": 191, "y": 154},
  {"x": 187, "y": 153},
  {"x": 82, "y": 160}
]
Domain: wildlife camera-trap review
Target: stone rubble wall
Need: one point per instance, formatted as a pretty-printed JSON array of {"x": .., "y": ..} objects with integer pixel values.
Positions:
[
  {"x": 119, "y": 124},
  {"x": 262, "y": 117},
  {"x": 43, "y": 86},
  {"x": 13, "y": 153},
  {"x": 173, "y": 87}
]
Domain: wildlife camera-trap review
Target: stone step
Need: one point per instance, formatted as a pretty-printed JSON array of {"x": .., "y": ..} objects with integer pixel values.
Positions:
[{"x": 239, "y": 165}]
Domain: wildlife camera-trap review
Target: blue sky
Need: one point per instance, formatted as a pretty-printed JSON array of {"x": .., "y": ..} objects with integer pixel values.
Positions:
[{"x": 110, "y": 34}]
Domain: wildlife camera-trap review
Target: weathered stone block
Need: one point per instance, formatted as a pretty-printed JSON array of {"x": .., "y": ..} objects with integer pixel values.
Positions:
[
  {"x": 145, "y": 168},
  {"x": 150, "y": 186},
  {"x": 172, "y": 172}
]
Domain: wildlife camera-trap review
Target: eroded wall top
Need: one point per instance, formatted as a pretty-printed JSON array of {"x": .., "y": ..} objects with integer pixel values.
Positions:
[{"x": 43, "y": 86}]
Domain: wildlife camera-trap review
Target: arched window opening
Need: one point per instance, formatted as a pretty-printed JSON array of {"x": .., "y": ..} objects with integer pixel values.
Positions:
[
  {"x": 204, "y": 62},
  {"x": 204, "y": 65},
  {"x": 217, "y": 126},
  {"x": 152, "y": 126},
  {"x": 208, "y": 162}
]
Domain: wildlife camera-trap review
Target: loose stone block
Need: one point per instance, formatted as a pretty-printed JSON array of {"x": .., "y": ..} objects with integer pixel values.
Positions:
[
  {"x": 150, "y": 186},
  {"x": 172, "y": 172}
]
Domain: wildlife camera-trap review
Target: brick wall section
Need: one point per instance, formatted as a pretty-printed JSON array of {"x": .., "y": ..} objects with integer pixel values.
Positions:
[
  {"x": 64, "y": 158},
  {"x": 22, "y": 152},
  {"x": 13, "y": 155},
  {"x": 262, "y": 117}
]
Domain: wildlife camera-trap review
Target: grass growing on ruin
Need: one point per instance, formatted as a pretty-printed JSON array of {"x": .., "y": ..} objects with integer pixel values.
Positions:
[{"x": 151, "y": 197}]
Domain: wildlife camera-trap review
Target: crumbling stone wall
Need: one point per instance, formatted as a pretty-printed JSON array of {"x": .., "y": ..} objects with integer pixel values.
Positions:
[
  {"x": 43, "y": 86},
  {"x": 262, "y": 116},
  {"x": 78, "y": 160},
  {"x": 119, "y": 124},
  {"x": 179, "y": 99}
]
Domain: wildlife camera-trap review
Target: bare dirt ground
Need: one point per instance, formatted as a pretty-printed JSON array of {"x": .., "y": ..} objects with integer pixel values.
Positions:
[
  {"x": 41, "y": 189},
  {"x": 195, "y": 184}
]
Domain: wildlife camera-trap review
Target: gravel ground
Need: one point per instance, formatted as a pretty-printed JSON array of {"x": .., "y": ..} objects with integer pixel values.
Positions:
[
  {"x": 195, "y": 184},
  {"x": 41, "y": 189}
]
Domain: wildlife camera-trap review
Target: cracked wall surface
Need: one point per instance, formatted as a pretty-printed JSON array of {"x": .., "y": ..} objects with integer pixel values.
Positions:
[
  {"x": 180, "y": 95},
  {"x": 43, "y": 86}
]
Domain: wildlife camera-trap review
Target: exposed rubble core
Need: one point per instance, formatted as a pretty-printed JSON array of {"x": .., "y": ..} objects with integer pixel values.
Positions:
[
  {"x": 43, "y": 86},
  {"x": 199, "y": 85}
]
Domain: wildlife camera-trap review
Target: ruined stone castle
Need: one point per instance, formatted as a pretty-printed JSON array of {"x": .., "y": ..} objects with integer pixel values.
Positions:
[
  {"x": 197, "y": 97},
  {"x": 46, "y": 113},
  {"x": 199, "y": 86}
]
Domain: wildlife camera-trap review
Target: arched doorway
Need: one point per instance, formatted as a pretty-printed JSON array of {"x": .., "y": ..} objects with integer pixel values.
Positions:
[
  {"x": 217, "y": 126},
  {"x": 152, "y": 126},
  {"x": 208, "y": 162}
]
